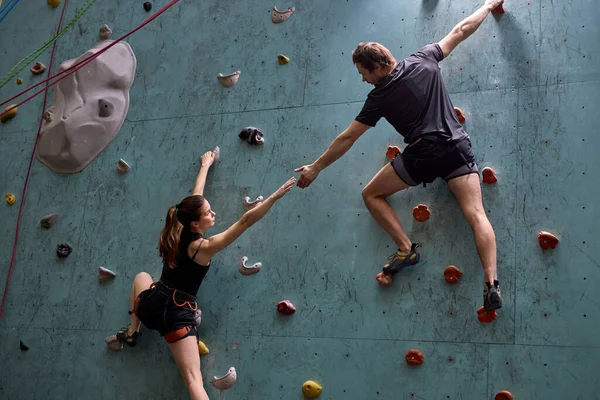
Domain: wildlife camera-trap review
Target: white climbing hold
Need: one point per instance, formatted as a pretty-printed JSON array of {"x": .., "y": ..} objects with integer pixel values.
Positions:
[
  {"x": 114, "y": 343},
  {"x": 225, "y": 382},
  {"x": 230, "y": 79},
  {"x": 248, "y": 270},
  {"x": 105, "y": 32},
  {"x": 49, "y": 114},
  {"x": 123, "y": 167},
  {"x": 217, "y": 153},
  {"x": 49, "y": 220},
  {"x": 105, "y": 274},
  {"x": 280, "y": 16},
  {"x": 249, "y": 205}
]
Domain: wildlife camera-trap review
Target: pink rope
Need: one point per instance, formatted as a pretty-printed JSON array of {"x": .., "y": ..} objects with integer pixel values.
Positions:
[
  {"x": 45, "y": 89},
  {"x": 81, "y": 63}
]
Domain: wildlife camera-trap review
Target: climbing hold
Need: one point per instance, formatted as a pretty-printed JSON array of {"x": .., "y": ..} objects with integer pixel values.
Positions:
[
  {"x": 48, "y": 221},
  {"x": 503, "y": 395},
  {"x": 202, "y": 349},
  {"x": 63, "y": 250},
  {"x": 216, "y": 153},
  {"x": 226, "y": 381},
  {"x": 6, "y": 114},
  {"x": 248, "y": 205},
  {"x": 105, "y": 275},
  {"x": 105, "y": 32},
  {"x": 489, "y": 176},
  {"x": 147, "y": 6},
  {"x": 281, "y": 16},
  {"x": 123, "y": 167},
  {"x": 49, "y": 114},
  {"x": 282, "y": 59},
  {"x": 252, "y": 135},
  {"x": 498, "y": 10},
  {"x": 414, "y": 357},
  {"x": 384, "y": 279},
  {"x": 198, "y": 316},
  {"x": 486, "y": 316},
  {"x": 81, "y": 129},
  {"x": 452, "y": 274},
  {"x": 547, "y": 240},
  {"x": 248, "y": 270},
  {"x": 38, "y": 68},
  {"x": 229, "y": 80},
  {"x": 421, "y": 213},
  {"x": 10, "y": 199},
  {"x": 19, "y": 81},
  {"x": 392, "y": 152},
  {"x": 114, "y": 343},
  {"x": 54, "y": 3},
  {"x": 311, "y": 389},
  {"x": 286, "y": 307},
  {"x": 460, "y": 115},
  {"x": 23, "y": 345}
]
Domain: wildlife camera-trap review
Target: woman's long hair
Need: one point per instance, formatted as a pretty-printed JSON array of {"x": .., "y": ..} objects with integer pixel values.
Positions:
[{"x": 179, "y": 216}]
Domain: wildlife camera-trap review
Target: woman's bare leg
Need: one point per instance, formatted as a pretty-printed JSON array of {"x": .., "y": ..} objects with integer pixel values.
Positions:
[
  {"x": 185, "y": 353},
  {"x": 141, "y": 282}
]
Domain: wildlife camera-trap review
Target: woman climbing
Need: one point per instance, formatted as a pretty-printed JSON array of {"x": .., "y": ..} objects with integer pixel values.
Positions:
[{"x": 169, "y": 304}]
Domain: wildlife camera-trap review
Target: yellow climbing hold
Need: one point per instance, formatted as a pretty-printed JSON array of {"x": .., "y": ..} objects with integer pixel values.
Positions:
[
  {"x": 283, "y": 59},
  {"x": 9, "y": 115},
  {"x": 10, "y": 199},
  {"x": 54, "y": 3},
  {"x": 19, "y": 81},
  {"x": 202, "y": 349},
  {"x": 311, "y": 389}
]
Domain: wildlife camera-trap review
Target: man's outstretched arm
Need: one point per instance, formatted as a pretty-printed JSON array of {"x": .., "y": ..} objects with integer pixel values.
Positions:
[
  {"x": 340, "y": 145},
  {"x": 466, "y": 27}
]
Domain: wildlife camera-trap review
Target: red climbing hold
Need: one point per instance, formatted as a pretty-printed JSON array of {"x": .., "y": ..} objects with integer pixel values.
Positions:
[
  {"x": 547, "y": 240},
  {"x": 460, "y": 115},
  {"x": 414, "y": 357},
  {"x": 486, "y": 316},
  {"x": 286, "y": 307},
  {"x": 421, "y": 212},
  {"x": 384, "y": 279},
  {"x": 498, "y": 10},
  {"x": 504, "y": 395},
  {"x": 452, "y": 274},
  {"x": 489, "y": 176},
  {"x": 392, "y": 151}
]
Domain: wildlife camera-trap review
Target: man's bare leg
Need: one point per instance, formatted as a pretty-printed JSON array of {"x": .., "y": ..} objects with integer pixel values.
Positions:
[
  {"x": 384, "y": 184},
  {"x": 467, "y": 190}
]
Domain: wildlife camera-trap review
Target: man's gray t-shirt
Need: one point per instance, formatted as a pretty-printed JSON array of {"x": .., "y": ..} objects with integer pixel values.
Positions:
[{"x": 414, "y": 100}]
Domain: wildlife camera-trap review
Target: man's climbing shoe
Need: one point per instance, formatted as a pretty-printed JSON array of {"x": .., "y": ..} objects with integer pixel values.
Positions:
[
  {"x": 400, "y": 261},
  {"x": 492, "y": 297}
]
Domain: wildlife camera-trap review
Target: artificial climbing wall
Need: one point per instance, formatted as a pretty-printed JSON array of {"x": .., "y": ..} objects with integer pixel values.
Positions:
[{"x": 528, "y": 82}]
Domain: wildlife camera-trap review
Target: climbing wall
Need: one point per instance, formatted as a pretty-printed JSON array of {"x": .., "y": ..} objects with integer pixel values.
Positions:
[{"x": 528, "y": 82}]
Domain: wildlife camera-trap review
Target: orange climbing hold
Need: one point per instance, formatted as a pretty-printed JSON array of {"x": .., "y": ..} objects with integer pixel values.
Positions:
[
  {"x": 414, "y": 357},
  {"x": 489, "y": 176},
  {"x": 504, "y": 395},
  {"x": 460, "y": 115},
  {"x": 384, "y": 279},
  {"x": 452, "y": 274},
  {"x": 392, "y": 151},
  {"x": 486, "y": 316},
  {"x": 421, "y": 213},
  {"x": 498, "y": 10},
  {"x": 547, "y": 240}
]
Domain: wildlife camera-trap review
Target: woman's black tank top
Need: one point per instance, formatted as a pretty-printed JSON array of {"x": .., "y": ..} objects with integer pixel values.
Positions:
[{"x": 187, "y": 275}]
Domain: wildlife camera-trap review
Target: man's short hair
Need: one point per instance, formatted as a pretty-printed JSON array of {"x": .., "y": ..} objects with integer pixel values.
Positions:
[{"x": 370, "y": 54}]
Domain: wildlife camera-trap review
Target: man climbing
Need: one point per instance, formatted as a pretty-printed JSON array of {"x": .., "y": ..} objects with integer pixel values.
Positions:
[{"x": 412, "y": 97}]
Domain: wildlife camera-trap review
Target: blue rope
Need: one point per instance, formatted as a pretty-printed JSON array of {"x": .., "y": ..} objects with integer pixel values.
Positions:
[{"x": 14, "y": 3}]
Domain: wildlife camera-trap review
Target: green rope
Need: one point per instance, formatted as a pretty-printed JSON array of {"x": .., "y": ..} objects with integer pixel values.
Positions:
[{"x": 29, "y": 59}]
